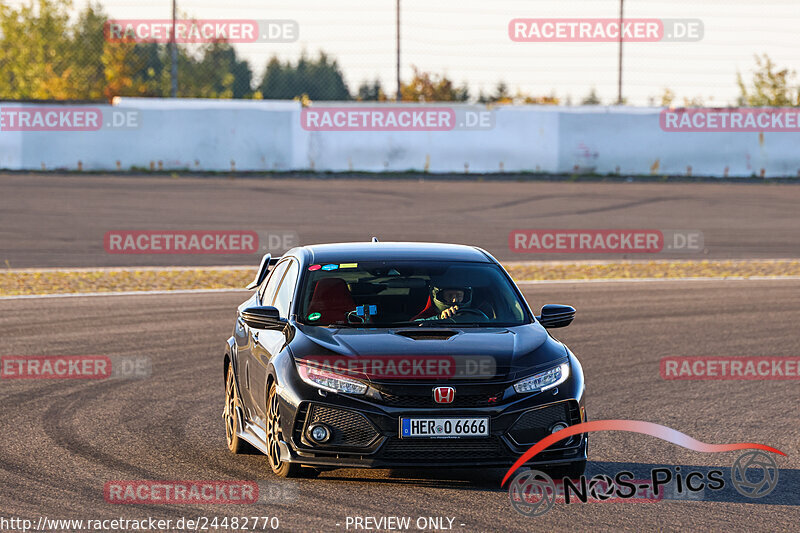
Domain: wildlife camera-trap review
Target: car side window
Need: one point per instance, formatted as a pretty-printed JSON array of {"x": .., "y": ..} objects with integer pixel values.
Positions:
[
  {"x": 268, "y": 293},
  {"x": 283, "y": 299}
]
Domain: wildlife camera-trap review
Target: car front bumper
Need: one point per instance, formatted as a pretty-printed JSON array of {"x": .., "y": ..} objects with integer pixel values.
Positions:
[{"x": 365, "y": 432}]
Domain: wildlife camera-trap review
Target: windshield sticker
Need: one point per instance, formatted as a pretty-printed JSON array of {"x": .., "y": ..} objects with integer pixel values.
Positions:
[
  {"x": 348, "y": 265},
  {"x": 330, "y": 267},
  {"x": 314, "y": 316},
  {"x": 314, "y": 267}
]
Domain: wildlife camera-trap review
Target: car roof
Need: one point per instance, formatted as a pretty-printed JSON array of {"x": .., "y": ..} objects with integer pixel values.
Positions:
[{"x": 389, "y": 251}]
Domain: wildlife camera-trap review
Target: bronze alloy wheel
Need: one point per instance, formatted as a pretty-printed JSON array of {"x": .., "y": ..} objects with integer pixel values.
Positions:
[
  {"x": 235, "y": 444},
  {"x": 274, "y": 436}
]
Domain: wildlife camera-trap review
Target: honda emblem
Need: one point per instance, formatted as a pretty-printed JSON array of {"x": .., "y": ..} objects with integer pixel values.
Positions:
[{"x": 444, "y": 394}]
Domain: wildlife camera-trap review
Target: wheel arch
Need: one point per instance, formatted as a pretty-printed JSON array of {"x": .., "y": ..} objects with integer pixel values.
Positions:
[{"x": 227, "y": 358}]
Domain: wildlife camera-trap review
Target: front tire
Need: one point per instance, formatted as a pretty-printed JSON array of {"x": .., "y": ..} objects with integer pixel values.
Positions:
[
  {"x": 235, "y": 444},
  {"x": 274, "y": 436}
]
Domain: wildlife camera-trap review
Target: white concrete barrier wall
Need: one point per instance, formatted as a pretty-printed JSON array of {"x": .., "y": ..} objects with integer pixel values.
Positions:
[
  {"x": 607, "y": 140},
  {"x": 522, "y": 139},
  {"x": 224, "y": 135},
  {"x": 194, "y": 135}
]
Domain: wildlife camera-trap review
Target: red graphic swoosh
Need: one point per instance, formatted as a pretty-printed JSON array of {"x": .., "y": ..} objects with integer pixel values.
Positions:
[{"x": 636, "y": 426}]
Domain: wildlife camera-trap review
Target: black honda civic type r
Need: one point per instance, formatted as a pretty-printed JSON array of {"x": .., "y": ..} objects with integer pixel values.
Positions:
[{"x": 398, "y": 355}]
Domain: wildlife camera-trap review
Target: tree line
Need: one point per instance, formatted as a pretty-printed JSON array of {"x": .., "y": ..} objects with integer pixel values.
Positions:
[{"x": 46, "y": 56}]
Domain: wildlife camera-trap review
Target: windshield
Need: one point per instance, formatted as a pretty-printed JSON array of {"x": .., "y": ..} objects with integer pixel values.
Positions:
[{"x": 408, "y": 293}]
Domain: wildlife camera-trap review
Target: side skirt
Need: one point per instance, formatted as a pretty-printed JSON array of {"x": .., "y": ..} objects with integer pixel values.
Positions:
[{"x": 255, "y": 435}]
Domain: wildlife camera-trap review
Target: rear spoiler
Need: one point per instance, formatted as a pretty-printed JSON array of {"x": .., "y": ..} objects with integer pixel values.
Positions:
[{"x": 263, "y": 270}]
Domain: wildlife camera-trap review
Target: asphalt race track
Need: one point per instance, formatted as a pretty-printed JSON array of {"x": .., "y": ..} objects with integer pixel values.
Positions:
[
  {"x": 55, "y": 220},
  {"x": 64, "y": 439}
]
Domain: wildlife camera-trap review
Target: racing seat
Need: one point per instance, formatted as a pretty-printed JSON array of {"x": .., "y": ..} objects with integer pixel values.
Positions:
[{"x": 332, "y": 300}]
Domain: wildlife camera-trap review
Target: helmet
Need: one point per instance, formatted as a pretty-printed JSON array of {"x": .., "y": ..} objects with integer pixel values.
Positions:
[{"x": 447, "y": 297}]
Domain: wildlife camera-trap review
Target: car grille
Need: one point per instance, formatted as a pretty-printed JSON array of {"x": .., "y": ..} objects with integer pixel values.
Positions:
[
  {"x": 534, "y": 425},
  {"x": 426, "y": 401},
  {"x": 348, "y": 428},
  {"x": 442, "y": 450}
]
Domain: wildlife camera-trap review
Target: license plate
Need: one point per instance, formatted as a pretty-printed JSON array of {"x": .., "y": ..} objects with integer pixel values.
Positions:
[{"x": 444, "y": 427}]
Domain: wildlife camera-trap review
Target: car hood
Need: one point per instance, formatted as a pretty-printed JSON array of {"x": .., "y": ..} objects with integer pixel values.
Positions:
[{"x": 503, "y": 353}]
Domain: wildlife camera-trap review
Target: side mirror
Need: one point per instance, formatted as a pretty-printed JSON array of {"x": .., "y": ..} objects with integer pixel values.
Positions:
[
  {"x": 556, "y": 316},
  {"x": 263, "y": 317}
]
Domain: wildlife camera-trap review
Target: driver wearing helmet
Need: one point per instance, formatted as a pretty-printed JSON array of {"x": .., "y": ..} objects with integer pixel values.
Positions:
[{"x": 444, "y": 302}]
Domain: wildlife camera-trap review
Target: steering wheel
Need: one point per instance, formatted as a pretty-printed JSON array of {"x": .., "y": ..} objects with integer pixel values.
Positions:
[{"x": 469, "y": 311}]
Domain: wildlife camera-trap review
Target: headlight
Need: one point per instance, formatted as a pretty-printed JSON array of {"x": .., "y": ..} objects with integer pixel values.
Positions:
[
  {"x": 543, "y": 380},
  {"x": 329, "y": 381}
]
